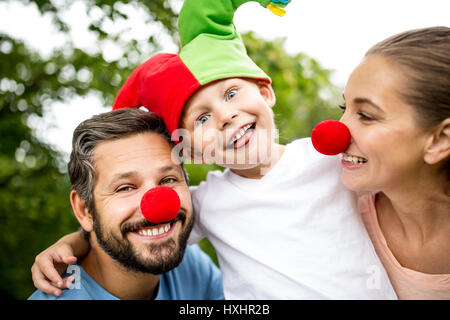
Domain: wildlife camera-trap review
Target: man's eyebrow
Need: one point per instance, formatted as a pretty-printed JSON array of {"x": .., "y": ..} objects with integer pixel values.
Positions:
[
  {"x": 168, "y": 168},
  {"x": 133, "y": 174},
  {"x": 123, "y": 175}
]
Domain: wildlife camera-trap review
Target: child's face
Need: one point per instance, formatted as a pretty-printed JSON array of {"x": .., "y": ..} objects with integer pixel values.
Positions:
[{"x": 230, "y": 122}]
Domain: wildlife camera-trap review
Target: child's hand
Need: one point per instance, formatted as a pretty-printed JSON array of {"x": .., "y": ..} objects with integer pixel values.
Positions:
[{"x": 48, "y": 267}]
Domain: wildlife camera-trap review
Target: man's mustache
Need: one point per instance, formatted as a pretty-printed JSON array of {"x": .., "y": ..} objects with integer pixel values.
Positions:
[{"x": 141, "y": 224}]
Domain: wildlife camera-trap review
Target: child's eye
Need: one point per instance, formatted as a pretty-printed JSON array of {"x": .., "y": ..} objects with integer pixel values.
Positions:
[
  {"x": 230, "y": 94},
  {"x": 202, "y": 119}
]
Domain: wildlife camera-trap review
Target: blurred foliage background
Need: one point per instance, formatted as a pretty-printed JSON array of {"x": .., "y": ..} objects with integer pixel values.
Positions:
[{"x": 34, "y": 188}]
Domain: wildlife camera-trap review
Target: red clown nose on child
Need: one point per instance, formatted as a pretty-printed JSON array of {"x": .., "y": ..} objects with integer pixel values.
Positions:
[
  {"x": 330, "y": 137},
  {"x": 160, "y": 204}
]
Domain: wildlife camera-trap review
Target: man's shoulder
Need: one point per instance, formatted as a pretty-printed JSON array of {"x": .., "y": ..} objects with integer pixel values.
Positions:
[
  {"x": 83, "y": 288},
  {"x": 68, "y": 294},
  {"x": 197, "y": 277},
  {"x": 195, "y": 261}
]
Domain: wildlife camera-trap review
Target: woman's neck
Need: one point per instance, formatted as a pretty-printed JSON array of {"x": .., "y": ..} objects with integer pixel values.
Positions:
[
  {"x": 416, "y": 211},
  {"x": 419, "y": 214}
]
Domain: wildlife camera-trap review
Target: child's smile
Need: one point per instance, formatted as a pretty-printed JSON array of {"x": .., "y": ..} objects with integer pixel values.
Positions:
[{"x": 242, "y": 136}]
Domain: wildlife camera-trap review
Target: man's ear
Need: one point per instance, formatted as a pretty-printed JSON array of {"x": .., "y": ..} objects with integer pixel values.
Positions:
[
  {"x": 437, "y": 147},
  {"x": 267, "y": 93},
  {"x": 81, "y": 211}
]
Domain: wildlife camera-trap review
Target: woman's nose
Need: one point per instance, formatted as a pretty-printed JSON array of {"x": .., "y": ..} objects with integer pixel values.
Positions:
[{"x": 330, "y": 137}]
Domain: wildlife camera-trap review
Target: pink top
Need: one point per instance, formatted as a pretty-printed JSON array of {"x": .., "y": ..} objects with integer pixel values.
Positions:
[{"x": 408, "y": 284}]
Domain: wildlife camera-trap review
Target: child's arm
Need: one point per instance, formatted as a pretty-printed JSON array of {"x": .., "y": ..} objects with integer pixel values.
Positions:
[{"x": 52, "y": 262}]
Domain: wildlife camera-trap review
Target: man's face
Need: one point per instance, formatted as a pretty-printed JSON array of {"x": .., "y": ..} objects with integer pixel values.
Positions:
[{"x": 126, "y": 169}]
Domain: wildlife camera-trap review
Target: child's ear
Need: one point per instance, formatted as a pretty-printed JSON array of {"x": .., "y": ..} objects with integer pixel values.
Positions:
[
  {"x": 81, "y": 211},
  {"x": 437, "y": 147},
  {"x": 267, "y": 93}
]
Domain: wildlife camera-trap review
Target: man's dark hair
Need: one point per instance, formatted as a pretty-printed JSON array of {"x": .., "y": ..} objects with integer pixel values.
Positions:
[{"x": 103, "y": 127}]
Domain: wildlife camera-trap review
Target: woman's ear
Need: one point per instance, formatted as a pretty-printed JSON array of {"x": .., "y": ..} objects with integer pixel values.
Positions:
[
  {"x": 81, "y": 211},
  {"x": 438, "y": 146},
  {"x": 267, "y": 93}
]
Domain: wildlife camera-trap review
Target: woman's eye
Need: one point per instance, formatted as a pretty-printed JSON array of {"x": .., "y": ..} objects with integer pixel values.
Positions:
[
  {"x": 342, "y": 107},
  {"x": 364, "y": 117},
  {"x": 230, "y": 94},
  {"x": 202, "y": 119}
]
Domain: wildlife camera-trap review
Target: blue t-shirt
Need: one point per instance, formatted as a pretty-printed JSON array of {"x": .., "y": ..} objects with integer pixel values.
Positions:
[{"x": 196, "y": 278}]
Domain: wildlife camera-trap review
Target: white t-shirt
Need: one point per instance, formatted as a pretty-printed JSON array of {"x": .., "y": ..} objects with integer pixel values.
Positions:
[{"x": 293, "y": 234}]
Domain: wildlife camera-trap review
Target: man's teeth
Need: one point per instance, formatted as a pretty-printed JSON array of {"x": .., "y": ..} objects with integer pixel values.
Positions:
[
  {"x": 241, "y": 133},
  {"x": 353, "y": 159},
  {"x": 154, "y": 231}
]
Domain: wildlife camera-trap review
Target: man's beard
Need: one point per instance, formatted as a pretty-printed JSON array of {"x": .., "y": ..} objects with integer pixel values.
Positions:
[{"x": 160, "y": 258}]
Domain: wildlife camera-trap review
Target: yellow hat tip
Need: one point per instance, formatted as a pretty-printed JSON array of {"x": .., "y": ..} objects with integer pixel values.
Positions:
[{"x": 278, "y": 11}]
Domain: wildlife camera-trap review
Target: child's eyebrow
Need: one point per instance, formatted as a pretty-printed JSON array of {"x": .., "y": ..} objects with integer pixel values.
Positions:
[{"x": 197, "y": 112}]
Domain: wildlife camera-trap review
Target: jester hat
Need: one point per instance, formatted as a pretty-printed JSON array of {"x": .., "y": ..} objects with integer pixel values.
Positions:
[{"x": 211, "y": 49}]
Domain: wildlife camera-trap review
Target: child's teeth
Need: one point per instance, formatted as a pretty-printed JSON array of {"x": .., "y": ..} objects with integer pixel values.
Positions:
[{"x": 241, "y": 133}]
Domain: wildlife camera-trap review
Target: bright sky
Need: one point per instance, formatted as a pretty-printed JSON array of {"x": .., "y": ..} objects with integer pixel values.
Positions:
[{"x": 336, "y": 33}]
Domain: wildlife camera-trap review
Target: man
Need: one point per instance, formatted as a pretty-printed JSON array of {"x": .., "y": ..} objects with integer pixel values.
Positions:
[{"x": 116, "y": 157}]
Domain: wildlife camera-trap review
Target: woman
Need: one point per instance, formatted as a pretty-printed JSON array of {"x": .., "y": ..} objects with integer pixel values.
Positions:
[{"x": 397, "y": 107}]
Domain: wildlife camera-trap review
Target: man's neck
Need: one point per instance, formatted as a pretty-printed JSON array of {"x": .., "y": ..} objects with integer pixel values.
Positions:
[{"x": 116, "y": 279}]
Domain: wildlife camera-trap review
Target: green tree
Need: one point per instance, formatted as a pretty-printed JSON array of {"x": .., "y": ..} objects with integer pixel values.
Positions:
[
  {"x": 34, "y": 204},
  {"x": 34, "y": 189}
]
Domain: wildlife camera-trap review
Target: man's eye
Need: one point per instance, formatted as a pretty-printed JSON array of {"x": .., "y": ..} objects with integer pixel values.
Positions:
[
  {"x": 202, "y": 119},
  {"x": 230, "y": 94},
  {"x": 168, "y": 180},
  {"x": 124, "y": 189}
]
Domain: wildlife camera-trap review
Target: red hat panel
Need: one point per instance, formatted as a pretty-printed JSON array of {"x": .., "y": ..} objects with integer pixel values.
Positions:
[{"x": 162, "y": 84}]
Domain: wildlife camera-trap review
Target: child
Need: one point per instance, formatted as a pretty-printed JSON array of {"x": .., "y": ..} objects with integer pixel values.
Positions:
[{"x": 281, "y": 222}]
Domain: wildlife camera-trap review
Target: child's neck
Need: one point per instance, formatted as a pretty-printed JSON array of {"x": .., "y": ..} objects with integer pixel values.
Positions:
[{"x": 263, "y": 168}]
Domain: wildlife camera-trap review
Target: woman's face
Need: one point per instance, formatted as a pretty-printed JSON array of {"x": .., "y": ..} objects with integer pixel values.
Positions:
[{"x": 387, "y": 147}]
